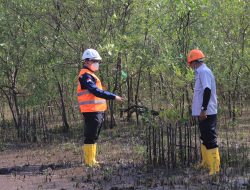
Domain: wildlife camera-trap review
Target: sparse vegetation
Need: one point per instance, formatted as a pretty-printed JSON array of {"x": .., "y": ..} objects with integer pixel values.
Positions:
[{"x": 150, "y": 141}]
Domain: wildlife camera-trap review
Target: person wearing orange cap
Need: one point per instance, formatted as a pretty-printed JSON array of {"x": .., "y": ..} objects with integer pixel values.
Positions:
[
  {"x": 204, "y": 106},
  {"x": 92, "y": 103}
]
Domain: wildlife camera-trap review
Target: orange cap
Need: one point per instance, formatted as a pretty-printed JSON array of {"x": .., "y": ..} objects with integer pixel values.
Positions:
[{"x": 194, "y": 54}]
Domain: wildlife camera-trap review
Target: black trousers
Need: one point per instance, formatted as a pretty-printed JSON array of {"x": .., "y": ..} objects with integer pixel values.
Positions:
[
  {"x": 208, "y": 131},
  {"x": 92, "y": 127}
]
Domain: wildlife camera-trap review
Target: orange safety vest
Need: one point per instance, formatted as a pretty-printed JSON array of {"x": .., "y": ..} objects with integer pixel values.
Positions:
[{"x": 87, "y": 101}]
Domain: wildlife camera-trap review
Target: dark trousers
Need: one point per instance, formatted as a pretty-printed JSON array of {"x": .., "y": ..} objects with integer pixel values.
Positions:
[
  {"x": 208, "y": 131},
  {"x": 92, "y": 127}
]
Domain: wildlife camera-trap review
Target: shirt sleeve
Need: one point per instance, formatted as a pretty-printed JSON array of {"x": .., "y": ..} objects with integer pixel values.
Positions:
[
  {"x": 206, "y": 98},
  {"x": 206, "y": 79},
  {"x": 88, "y": 82}
]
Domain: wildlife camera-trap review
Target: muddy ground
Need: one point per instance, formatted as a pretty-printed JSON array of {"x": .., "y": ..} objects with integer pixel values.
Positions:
[{"x": 59, "y": 166}]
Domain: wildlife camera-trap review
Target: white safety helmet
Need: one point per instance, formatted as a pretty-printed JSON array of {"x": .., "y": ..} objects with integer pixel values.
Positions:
[{"x": 91, "y": 54}]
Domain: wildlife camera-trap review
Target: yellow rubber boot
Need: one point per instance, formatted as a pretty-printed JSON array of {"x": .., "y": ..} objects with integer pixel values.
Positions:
[
  {"x": 213, "y": 160},
  {"x": 94, "y": 152},
  {"x": 204, "y": 161},
  {"x": 89, "y": 154}
]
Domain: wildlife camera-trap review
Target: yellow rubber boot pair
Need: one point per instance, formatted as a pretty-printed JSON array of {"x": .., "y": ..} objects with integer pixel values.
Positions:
[
  {"x": 89, "y": 152},
  {"x": 213, "y": 157},
  {"x": 204, "y": 161}
]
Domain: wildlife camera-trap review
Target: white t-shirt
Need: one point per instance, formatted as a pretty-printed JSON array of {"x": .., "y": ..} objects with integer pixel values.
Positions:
[{"x": 204, "y": 78}]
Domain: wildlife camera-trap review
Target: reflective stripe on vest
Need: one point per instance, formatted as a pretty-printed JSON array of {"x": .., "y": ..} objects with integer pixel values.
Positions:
[
  {"x": 82, "y": 93},
  {"x": 93, "y": 102}
]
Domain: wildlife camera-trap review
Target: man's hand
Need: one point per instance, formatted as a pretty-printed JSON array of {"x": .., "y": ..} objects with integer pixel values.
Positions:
[
  {"x": 119, "y": 99},
  {"x": 203, "y": 115}
]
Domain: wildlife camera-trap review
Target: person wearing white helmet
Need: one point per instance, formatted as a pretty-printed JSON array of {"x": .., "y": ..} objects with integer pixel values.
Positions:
[
  {"x": 91, "y": 54},
  {"x": 92, "y": 103}
]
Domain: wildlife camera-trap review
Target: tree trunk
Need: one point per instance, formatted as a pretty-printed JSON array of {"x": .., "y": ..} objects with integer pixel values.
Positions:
[{"x": 64, "y": 115}]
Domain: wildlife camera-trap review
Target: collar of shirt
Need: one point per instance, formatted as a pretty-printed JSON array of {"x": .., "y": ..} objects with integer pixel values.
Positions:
[{"x": 202, "y": 66}]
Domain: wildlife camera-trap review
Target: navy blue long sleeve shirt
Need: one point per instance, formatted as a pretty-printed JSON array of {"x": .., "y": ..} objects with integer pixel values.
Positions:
[{"x": 89, "y": 82}]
